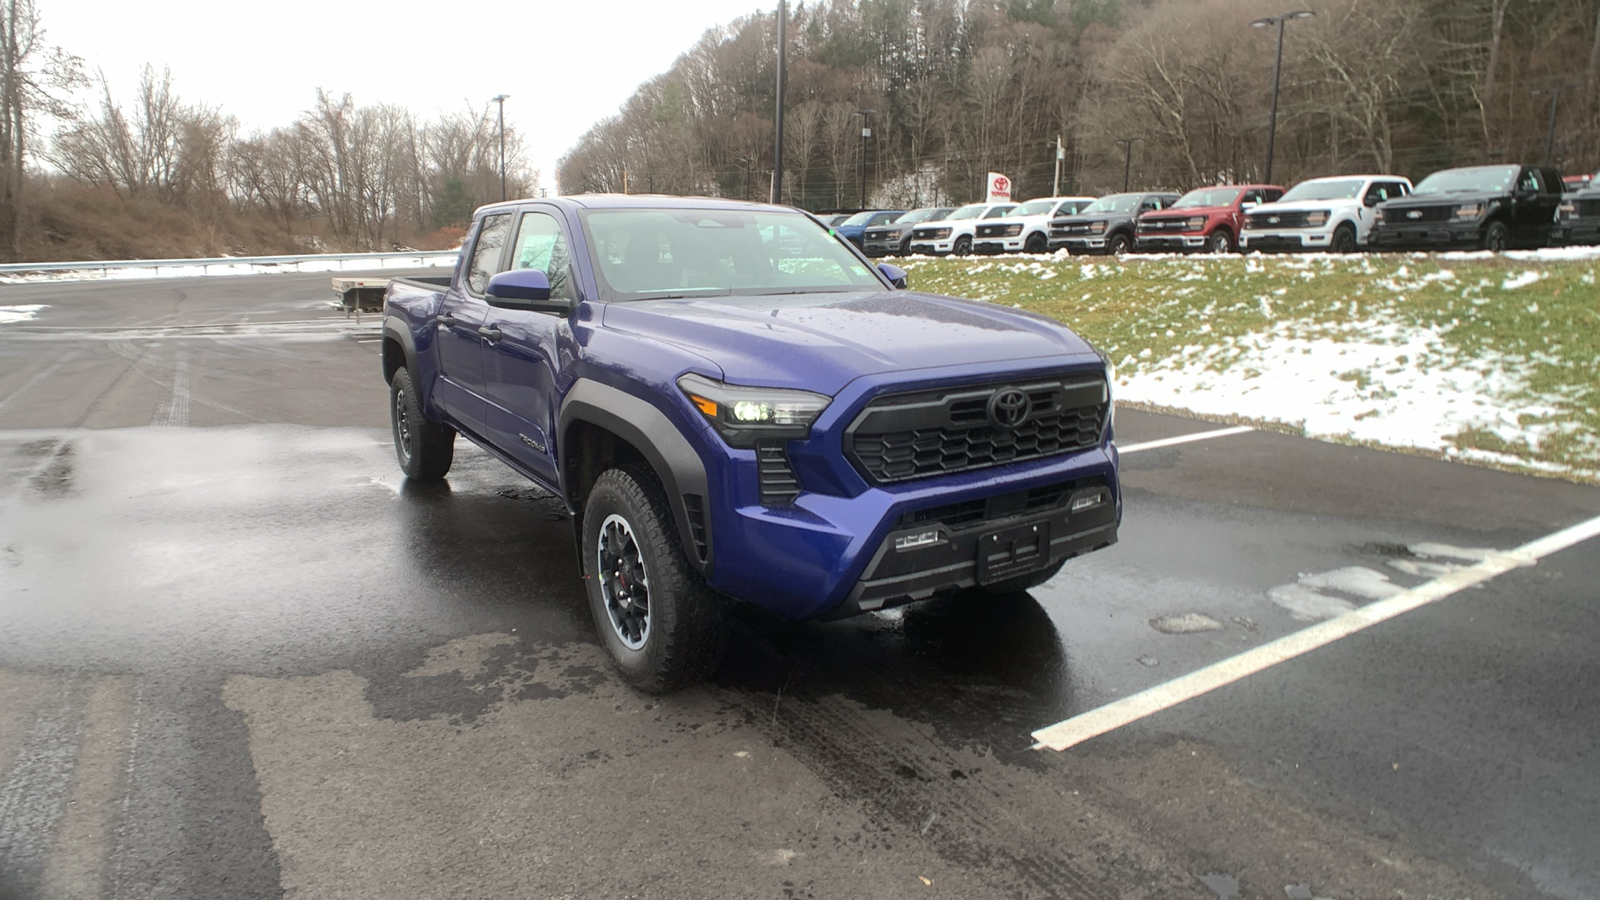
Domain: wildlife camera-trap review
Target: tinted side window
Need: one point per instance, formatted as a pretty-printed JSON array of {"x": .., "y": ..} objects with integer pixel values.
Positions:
[
  {"x": 1149, "y": 204},
  {"x": 542, "y": 245},
  {"x": 486, "y": 252},
  {"x": 1529, "y": 180}
]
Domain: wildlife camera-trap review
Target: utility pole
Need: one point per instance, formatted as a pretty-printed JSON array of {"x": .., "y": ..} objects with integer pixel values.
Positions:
[
  {"x": 1550, "y": 132},
  {"x": 1127, "y": 158},
  {"x": 866, "y": 132},
  {"x": 501, "y": 99},
  {"x": 1277, "y": 66},
  {"x": 1061, "y": 154},
  {"x": 777, "y": 147}
]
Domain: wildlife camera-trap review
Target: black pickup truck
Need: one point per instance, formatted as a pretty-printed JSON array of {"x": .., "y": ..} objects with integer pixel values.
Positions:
[
  {"x": 1486, "y": 207},
  {"x": 1578, "y": 222}
]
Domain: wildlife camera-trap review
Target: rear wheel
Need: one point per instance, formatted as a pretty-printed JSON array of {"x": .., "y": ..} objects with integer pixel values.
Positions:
[
  {"x": 1344, "y": 239},
  {"x": 963, "y": 246},
  {"x": 662, "y": 626},
  {"x": 1221, "y": 241},
  {"x": 1036, "y": 243},
  {"x": 425, "y": 449},
  {"x": 1496, "y": 237}
]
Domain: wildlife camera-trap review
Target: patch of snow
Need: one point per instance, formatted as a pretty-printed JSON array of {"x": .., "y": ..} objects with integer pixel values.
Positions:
[
  {"x": 10, "y": 314},
  {"x": 1358, "y": 581},
  {"x": 1521, "y": 280},
  {"x": 1306, "y": 604}
]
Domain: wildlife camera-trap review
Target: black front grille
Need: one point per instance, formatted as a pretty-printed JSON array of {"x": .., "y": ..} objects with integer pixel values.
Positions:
[
  {"x": 1588, "y": 207},
  {"x": 1063, "y": 229},
  {"x": 991, "y": 230},
  {"x": 875, "y": 235},
  {"x": 926, "y": 234},
  {"x": 779, "y": 485},
  {"x": 1280, "y": 220},
  {"x": 900, "y": 437},
  {"x": 1413, "y": 214}
]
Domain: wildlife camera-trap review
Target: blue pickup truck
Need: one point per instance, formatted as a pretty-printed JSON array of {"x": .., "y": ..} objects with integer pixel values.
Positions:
[{"x": 737, "y": 406}]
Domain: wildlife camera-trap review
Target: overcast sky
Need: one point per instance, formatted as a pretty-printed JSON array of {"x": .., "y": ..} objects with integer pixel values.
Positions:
[{"x": 566, "y": 64}]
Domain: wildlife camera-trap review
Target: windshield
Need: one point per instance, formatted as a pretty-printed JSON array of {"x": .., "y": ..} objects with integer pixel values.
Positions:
[
  {"x": 1333, "y": 189},
  {"x": 1115, "y": 203},
  {"x": 1479, "y": 179},
  {"x": 860, "y": 218},
  {"x": 643, "y": 254},
  {"x": 1221, "y": 196},
  {"x": 1035, "y": 207},
  {"x": 970, "y": 211},
  {"x": 923, "y": 215}
]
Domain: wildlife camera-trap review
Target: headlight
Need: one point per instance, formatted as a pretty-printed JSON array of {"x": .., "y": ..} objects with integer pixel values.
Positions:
[
  {"x": 1377, "y": 217},
  {"x": 1567, "y": 208},
  {"x": 1469, "y": 211},
  {"x": 1097, "y": 228},
  {"x": 1013, "y": 230},
  {"x": 940, "y": 234},
  {"x": 1317, "y": 219},
  {"x": 744, "y": 415},
  {"x": 891, "y": 235},
  {"x": 1195, "y": 223}
]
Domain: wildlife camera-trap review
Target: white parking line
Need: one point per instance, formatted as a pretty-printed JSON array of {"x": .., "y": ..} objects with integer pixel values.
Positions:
[
  {"x": 1112, "y": 716},
  {"x": 1185, "y": 439}
]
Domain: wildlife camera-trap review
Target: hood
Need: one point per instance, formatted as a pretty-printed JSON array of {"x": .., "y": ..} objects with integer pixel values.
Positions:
[
  {"x": 821, "y": 342},
  {"x": 1189, "y": 212},
  {"x": 1108, "y": 218},
  {"x": 1294, "y": 206},
  {"x": 1450, "y": 198}
]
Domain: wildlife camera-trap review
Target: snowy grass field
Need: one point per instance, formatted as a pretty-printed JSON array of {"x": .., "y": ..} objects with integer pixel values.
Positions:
[{"x": 1491, "y": 359}]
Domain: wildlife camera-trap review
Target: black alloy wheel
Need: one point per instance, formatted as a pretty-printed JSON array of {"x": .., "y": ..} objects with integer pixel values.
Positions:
[
  {"x": 1344, "y": 239},
  {"x": 1496, "y": 237}
]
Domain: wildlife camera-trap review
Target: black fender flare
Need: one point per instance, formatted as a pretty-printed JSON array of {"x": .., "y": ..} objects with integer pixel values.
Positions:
[
  {"x": 675, "y": 461},
  {"x": 395, "y": 327}
]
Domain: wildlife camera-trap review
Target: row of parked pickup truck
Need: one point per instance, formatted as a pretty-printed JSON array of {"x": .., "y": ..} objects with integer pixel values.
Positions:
[{"x": 1497, "y": 207}]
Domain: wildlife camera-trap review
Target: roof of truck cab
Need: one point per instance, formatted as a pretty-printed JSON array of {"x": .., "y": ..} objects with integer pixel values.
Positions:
[{"x": 640, "y": 201}]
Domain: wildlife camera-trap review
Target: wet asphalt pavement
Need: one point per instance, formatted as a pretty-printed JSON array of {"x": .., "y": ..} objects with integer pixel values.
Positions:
[{"x": 241, "y": 657}]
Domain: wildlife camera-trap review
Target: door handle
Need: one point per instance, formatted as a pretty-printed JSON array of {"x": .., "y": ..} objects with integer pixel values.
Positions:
[
  {"x": 446, "y": 320},
  {"x": 490, "y": 332}
]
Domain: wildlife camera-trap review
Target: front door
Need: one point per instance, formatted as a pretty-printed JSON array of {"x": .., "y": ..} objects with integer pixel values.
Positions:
[
  {"x": 521, "y": 365},
  {"x": 460, "y": 389}
]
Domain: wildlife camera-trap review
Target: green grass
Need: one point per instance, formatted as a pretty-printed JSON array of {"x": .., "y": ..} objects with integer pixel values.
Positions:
[{"x": 1142, "y": 311}]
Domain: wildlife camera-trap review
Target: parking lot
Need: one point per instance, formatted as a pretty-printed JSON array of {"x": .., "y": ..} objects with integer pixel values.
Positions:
[{"x": 243, "y": 658}]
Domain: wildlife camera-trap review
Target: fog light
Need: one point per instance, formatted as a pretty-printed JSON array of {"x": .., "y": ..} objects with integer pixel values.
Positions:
[
  {"x": 1079, "y": 504},
  {"x": 913, "y": 541}
]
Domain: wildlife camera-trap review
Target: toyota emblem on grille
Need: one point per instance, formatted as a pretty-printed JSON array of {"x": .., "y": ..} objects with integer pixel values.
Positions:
[
  {"x": 1273, "y": 220},
  {"x": 1414, "y": 214},
  {"x": 1009, "y": 407}
]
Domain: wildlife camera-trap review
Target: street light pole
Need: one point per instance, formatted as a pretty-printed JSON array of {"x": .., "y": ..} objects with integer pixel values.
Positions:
[
  {"x": 1127, "y": 158},
  {"x": 501, "y": 99},
  {"x": 866, "y": 132},
  {"x": 1277, "y": 68},
  {"x": 1061, "y": 154}
]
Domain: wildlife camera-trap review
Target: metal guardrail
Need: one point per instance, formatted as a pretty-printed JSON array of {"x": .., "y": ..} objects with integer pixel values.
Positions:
[{"x": 325, "y": 262}]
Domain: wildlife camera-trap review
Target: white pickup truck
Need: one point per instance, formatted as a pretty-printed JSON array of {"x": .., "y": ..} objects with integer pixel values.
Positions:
[
  {"x": 1321, "y": 214},
  {"x": 1026, "y": 228},
  {"x": 953, "y": 234}
]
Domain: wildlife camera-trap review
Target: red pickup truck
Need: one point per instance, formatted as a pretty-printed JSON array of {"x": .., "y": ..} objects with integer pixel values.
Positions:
[{"x": 1204, "y": 219}]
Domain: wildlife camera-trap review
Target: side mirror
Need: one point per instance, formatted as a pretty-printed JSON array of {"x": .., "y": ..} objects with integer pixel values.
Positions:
[
  {"x": 524, "y": 289},
  {"x": 895, "y": 274}
]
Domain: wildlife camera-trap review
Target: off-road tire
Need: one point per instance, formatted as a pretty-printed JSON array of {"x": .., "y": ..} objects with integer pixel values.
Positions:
[
  {"x": 963, "y": 246},
  {"x": 1220, "y": 241},
  {"x": 1118, "y": 244},
  {"x": 1344, "y": 239},
  {"x": 685, "y": 626},
  {"x": 1023, "y": 582},
  {"x": 1496, "y": 237},
  {"x": 1036, "y": 243},
  {"x": 425, "y": 449}
]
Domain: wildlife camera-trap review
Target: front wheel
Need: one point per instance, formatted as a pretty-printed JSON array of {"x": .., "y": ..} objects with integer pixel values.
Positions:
[
  {"x": 1344, "y": 239},
  {"x": 1118, "y": 245},
  {"x": 1496, "y": 237},
  {"x": 662, "y": 626},
  {"x": 963, "y": 246},
  {"x": 1036, "y": 243},
  {"x": 1220, "y": 241},
  {"x": 425, "y": 449}
]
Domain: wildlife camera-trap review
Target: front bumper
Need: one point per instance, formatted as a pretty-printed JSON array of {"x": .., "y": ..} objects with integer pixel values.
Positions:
[
  {"x": 1079, "y": 245},
  {"x": 829, "y": 556},
  {"x": 933, "y": 248},
  {"x": 881, "y": 248},
  {"x": 1587, "y": 232},
  {"x": 1269, "y": 241},
  {"x": 1168, "y": 242},
  {"x": 1427, "y": 236},
  {"x": 999, "y": 245}
]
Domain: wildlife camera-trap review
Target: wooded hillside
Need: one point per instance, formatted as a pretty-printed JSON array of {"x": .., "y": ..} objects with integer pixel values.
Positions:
[{"x": 1179, "y": 91}]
